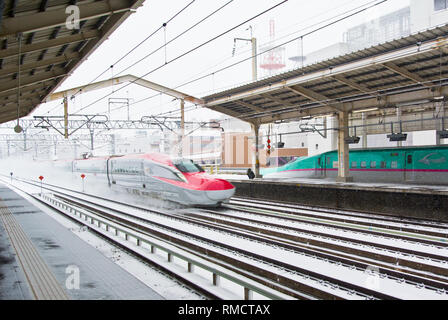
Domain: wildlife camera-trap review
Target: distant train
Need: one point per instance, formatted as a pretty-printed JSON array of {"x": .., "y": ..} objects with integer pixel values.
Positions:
[
  {"x": 179, "y": 180},
  {"x": 401, "y": 164}
]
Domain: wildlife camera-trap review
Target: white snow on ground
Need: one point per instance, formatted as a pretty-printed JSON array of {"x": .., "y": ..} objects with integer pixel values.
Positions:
[
  {"x": 262, "y": 219},
  {"x": 334, "y": 231},
  {"x": 349, "y": 275},
  {"x": 348, "y": 217},
  {"x": 166, "y": 287},
  {"x": 328, "y": 181},
  {"x": 359, "y": 277}
]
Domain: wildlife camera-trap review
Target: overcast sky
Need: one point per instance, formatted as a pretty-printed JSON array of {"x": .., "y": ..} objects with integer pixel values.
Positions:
[{"x": 292, "y": 19}]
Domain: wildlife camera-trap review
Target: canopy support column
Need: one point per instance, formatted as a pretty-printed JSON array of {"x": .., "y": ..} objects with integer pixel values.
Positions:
[
  {"x": 364, "y": 130},
  {"x": 256, "y": 155},
  {"x": 182, "y": 127},
  {"x": 65, "y": 118},
  {"x": 343, "y": 149}
]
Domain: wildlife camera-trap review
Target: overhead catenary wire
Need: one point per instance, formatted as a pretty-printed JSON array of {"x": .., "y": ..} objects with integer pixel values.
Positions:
[
  {"x": 130, "y": 51},
  {"x": 191, "y": 50},
  {"x": 172, "y": 40},
  {"x": 176, "y": 37},
  {"x": 282, "y": 37},
  {"x": 371, "y": 5},
  {"x": 140, "y": 43},
  {"x": 202, "y": 77}
]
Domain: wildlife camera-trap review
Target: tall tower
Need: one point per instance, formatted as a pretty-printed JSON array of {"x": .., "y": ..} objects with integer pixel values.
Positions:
[{"x": 274, "y": 59}]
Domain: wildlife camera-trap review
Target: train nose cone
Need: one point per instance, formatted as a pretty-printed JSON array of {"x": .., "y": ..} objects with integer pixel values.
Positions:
[{"x": 220, "y": 190}]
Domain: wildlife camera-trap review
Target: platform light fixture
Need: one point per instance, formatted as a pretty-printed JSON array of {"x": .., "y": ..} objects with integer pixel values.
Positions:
[
  {"x": 412, "y": 103},
  {"x": 365, "y": 110},
  {"x": 279, "y": 145},
  {"x": 443, "y": 134},
  {"x": 395, "y": 137},
  {"x": 352, "y": 139}
]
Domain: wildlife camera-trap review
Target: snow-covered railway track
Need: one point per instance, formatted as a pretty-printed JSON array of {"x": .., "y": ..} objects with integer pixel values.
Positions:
[
  {"x": 391, "y": 222},
  {"x": 426, "y": 235},
  {"x": 286, "y": 268},
  {"x": 405, "y": 257},
  {"x": 243, "y": 256}
]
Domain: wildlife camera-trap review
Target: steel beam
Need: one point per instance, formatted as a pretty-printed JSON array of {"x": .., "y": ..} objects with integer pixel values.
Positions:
[
  {"x": 226, "y": 111},
  {"x": 277, "y": 100},
  {"x": 392, "y": 100},
  {"x": 313, "y": 96},
  {"x": 41, "y": 63},
  {"x": 120, "y": 80},
  {"x": 23, "y": 97},
  {"x": 12, "y": 115},
  {"x": 57, "y": 17},
  {"x": 352, "y": 84},
  {"x": 12, "y": 8},
  {"x": 360, "y": 64},
  {"x": 44, "y": 76},
  {"x": 249, "y": 105},
  {"x": 112, "y": 23},
  {"x": 12, "y": 96},
  {"x": 41, "y": 45},
  {"x": 405, "y": 73}
]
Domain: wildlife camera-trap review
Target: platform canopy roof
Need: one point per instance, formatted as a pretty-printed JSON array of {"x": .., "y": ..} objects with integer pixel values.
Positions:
[
  {"x": 49, "y": 51},
  {"x": 403, "y": 71}
]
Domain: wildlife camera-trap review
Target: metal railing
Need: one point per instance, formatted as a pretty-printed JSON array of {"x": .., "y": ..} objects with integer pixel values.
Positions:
[{"x": 249, "y": 286}]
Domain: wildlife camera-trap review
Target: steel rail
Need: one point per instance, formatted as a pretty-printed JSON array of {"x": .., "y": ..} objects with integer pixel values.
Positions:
[
  {"x": 383, "y": 296},
  {"x": 351, "y": 213},
  {"x": 324, "y": 244}
]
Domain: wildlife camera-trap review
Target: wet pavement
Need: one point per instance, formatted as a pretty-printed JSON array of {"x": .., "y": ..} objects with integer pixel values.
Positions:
[{"x": 70, "y": 259}]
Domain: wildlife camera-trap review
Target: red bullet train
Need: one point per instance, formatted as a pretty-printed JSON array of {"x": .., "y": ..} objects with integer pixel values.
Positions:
[{"x": 174, "y": 179}]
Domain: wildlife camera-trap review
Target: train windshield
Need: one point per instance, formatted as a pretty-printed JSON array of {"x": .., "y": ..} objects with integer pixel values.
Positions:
[{"x": 184, "y": 165}]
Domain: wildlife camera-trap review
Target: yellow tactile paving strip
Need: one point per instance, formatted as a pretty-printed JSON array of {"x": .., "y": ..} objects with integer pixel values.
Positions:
[{"x": 42, "y": 282}]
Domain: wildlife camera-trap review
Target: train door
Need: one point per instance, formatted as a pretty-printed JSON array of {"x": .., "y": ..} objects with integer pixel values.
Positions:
[
  {"x": 409, "y": 173},
  {"x": 141, "y": 173}
]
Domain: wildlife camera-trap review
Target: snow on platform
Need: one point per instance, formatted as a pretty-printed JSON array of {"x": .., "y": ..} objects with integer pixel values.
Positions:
[{"x": 65, "y": 254}]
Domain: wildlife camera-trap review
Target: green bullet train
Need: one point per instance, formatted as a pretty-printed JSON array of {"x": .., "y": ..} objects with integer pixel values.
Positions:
[{"x": 420, "y": 165}]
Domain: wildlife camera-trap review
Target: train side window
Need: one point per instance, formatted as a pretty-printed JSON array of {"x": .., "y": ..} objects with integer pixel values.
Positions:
[
  {"x": 372, "y": 164},
  {"x": 409, "y": 158},
  {"x": 394, "y": 164},
  {"x": 354, "y": 164},
  {"x": 363, "y": 164},
  {"x": 165, "y": 173},
  {"x": 383, "y": 164}
]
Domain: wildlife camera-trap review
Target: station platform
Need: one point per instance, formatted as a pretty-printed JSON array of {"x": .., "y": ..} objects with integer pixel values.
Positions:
[
  {"x": 407, "y": 200},
  {"x": 42, "y": 260}
]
